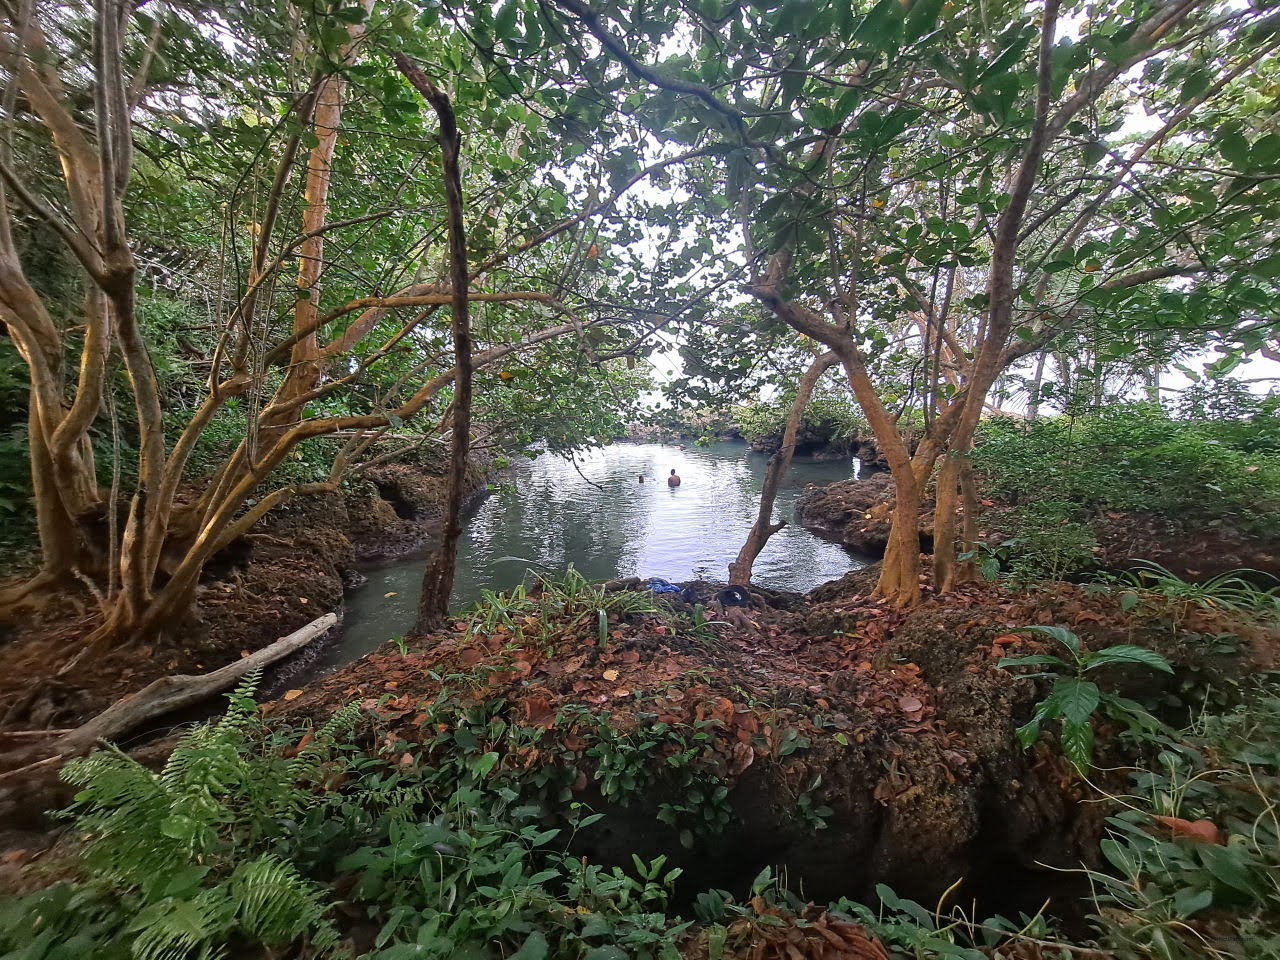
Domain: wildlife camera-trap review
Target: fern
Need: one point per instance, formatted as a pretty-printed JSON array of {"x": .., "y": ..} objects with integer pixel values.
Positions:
[{"x": 179, "y": 862}]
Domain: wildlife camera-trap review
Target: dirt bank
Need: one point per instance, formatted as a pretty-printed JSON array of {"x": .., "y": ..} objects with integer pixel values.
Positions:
[
  {"x": 286, "y": 572},
  {"x": 858, "y": 513},
  {"x": 845, "y": 742}
]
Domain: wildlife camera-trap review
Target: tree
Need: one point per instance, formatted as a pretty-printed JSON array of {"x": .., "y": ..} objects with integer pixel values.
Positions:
[
  {"x": 340, "y": 147},
  {"x": 956, "y": 185}
]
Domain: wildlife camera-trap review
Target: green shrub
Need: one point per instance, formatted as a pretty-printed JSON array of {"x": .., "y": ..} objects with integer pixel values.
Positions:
[
  {"x": 1050, "y": 544},
  {"x": 1134, "y": 458},
  {"x": 836, "y": 418}
]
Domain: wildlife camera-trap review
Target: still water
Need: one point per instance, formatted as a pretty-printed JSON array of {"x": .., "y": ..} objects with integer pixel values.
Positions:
[{"x": 545, "y": 514}]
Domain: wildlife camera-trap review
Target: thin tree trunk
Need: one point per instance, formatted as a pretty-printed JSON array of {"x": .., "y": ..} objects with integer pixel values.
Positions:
[
  {"x": 944, "y": 523},
  {"x": 740, "y": 569},
  {"x": 970, "y": 502},
  {"x": 437, "y": 581},
  {"x": 1037, "y": 384}
]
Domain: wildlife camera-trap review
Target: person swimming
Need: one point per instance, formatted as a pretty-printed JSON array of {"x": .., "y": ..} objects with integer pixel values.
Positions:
[
  {"x": 642, "y": 478},
  {"x": 674, "y": 479}
]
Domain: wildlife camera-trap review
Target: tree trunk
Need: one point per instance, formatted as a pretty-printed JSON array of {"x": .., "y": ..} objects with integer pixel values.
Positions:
[
  {"x": 900, "y": 572},
  {"x": 437, "y": 581},
  {"x": 967, "y": 571},
  {"x": 1037, "y": 384},
  {"x": 944, "y": 524},
  {"x": 740, "y": 569},
  {"x": 175, "y": 692}
]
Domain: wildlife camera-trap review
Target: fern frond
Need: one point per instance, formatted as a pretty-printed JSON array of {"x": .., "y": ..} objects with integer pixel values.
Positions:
[{"x": 276, "y": 906}]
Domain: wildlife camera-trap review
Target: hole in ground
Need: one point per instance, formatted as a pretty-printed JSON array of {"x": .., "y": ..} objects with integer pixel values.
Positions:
[{"x": 403, "y": 508}]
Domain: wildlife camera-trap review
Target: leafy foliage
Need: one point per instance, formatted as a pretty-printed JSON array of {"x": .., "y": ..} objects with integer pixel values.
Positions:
[
  {"x": 1073, "y": 698},
  {"x": 1135, "y": 458},
  {"x": 1200, "y": 841},
  {"x": 177, "y": 862}
]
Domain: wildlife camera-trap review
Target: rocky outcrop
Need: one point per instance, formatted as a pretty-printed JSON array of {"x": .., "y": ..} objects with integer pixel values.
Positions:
[
  {"x": 291, "y": 568},
  {"x": 857, "y": 514},
  {"x": 847, "y": 743}
]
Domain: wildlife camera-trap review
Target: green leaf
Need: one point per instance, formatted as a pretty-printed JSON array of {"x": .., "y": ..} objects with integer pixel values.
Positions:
[
  {"x": 1227, "y": 864},
  {"x": 1128, "y": 600},
  {"x": 1077, "y": 744},
  {"x": 1234, "y": 148},
  {"x": 1128, "y": 653},
  {"x": 605, "y": 953},
  {"x": 534, "y": 948},
  {"x": 1035, "y": 660},
  {"x": 504, "y": 24},
  {"x": 1078, "y": 699},
  {"x": 1028, "y": 733},
  {"x": 1120, "y": 856},
  {"x": 1188, "y": 901},
  {"x": 1061, "y": 634}
]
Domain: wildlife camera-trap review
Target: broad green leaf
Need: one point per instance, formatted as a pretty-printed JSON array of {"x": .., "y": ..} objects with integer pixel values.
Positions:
[
  {"x": 1077, "y": 699},
  {"x": 1061, "y": 634},
  {"x": 1128, "y": 653},
  {"x": 1228, "y": 865},
  {"x": 1234, "y": 148},
  {"x": 1188, "y": 901},
  {"x": 534, "y": 947},
  {"x": 1036, "y": 660},
  {"x": 1077, "y": 743},
  {"x": 1120, "y": 856}
]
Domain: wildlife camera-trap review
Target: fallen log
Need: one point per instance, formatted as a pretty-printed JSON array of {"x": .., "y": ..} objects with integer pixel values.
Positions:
[{"x": 173, "y": 693}]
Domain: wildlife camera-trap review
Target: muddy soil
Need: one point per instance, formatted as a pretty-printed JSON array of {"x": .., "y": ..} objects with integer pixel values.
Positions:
[
  {"x": 858, "y": 514},
  {"x": 859, "y": 744}
]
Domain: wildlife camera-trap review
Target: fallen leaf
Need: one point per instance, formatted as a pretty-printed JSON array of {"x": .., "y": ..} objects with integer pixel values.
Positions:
[
  {"x": 538, "y": 711},
  {"x": 910, "y": 704},
  {"x": 388, "y": 596},
  {"x": 743, "y": 757},
  {"x": 291, "y": 695},
  {"x": 610, "y": 675},
  {"x": 303, "y": 600},
  {"x": 574, "y": 665},
  {"x": 1199, "y": 831}
]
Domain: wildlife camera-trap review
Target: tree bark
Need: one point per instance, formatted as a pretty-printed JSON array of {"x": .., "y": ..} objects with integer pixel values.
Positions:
[
  {"x": 437, "y": 581},
  {"x": 740, "y": 569}
]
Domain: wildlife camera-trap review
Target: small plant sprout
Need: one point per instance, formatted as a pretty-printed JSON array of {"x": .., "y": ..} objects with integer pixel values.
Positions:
[{"x": 1074, "y": 699}]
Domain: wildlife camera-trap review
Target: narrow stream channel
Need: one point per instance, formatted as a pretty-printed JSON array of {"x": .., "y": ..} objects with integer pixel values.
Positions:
[{"x": 545, "y": 514}]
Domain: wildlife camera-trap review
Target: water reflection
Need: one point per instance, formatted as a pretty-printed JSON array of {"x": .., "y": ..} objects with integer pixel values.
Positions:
[{"x": 549, "y": 513}]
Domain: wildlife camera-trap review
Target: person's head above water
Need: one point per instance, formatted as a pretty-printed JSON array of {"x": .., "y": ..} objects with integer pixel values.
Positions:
[{"x": 673, "y": 471}]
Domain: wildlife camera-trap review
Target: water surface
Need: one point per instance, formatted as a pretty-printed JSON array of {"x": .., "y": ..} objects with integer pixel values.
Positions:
[{"x": 548, "y": 513}]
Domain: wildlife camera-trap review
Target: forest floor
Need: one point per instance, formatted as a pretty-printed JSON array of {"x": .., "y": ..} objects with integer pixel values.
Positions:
[{"x": 857, "y": 744}]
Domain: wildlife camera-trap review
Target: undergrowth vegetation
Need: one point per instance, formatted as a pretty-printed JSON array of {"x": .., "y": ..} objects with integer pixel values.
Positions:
[
  {"x": 1204, "y": 472},
  {"x": 1215, "y": 469},
  {"x": 262, "y": 838}
]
